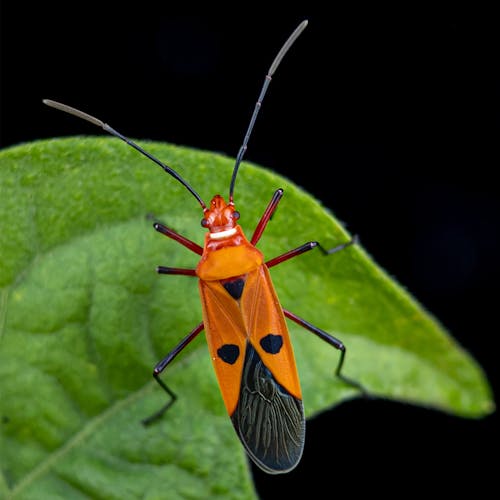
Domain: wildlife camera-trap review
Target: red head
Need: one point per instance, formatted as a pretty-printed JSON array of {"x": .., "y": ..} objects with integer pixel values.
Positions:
[{"x": 220, "y": 216}]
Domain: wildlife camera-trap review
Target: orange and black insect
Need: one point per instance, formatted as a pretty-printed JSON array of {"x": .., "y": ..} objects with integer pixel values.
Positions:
[{"x": 243, "y": 319}]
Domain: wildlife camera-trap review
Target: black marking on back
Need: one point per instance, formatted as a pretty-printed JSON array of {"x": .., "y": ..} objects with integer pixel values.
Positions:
[
  {"x": 229, "y": 353},
  {"x": 268, "y": 419},
  {"x": 234, "y": 287},
  {"x": 271, "y": 343}
]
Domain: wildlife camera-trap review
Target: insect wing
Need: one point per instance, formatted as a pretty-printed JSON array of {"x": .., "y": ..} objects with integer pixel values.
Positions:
[
  {"x": 255, "y": 366},
  {"x": 268, "y": 419},
  {"x": 226, "y": 338}
]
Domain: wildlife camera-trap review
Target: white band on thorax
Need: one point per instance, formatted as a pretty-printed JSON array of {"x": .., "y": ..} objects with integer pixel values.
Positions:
[{"x": 222, "y": 234}]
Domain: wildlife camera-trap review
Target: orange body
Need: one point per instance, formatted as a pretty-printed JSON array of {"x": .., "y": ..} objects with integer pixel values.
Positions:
[
  {"x": 256, "y": 314},
  {"x": 248, "y": 341}
]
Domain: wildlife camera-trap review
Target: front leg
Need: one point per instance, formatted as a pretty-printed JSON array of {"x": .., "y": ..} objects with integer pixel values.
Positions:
[
  {"x": 266, "y": 216},
  {"x": 170, "y": 233}
]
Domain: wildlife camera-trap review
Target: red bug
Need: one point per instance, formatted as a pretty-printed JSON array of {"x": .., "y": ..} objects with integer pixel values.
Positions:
[{"x": 243, "y": 319}]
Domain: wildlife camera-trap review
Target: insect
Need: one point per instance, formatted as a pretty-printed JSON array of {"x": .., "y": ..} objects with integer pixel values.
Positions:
[{"x": 243, "y": 320}]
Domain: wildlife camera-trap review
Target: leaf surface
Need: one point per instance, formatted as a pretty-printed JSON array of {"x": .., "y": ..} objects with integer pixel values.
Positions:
[{"x": 84, "y": 318}]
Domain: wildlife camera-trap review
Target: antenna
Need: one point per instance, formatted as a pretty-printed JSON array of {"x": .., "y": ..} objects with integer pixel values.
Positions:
[
  {"x": 112, "y": 131},
  {"x": 258, "y": 104}
]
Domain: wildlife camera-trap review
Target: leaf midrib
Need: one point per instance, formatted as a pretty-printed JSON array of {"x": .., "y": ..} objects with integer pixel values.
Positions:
[{"x": 87, "y": 430}]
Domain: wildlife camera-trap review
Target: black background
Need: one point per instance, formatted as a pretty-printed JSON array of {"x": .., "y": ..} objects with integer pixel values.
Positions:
[{"x": 390, "y": 118}]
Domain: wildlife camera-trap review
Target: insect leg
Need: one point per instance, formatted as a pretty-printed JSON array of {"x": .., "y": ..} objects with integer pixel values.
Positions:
[
  {"x": 191, "y": 245},
  {"x": 292, "y": 253},
  {"x": 175, "y": 270},
  {"x": 162, "y": 365},
  {"x": 354, "y": 241},
  {"x": 305, "y": 248},
  {"x": 332, "y": 341},
  {"x": 266, "y": 216}
]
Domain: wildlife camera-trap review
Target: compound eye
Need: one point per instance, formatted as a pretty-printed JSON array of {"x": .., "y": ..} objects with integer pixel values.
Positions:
[
  {"x": 204, "y": 222},
  {"x": 236, "y": 215}
]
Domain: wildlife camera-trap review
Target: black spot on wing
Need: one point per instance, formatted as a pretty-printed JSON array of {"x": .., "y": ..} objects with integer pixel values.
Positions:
[
  {"x": 272, "y": 343},
  {"x": 229, "y": 353},
  {"x": 268, "y": 419},
  {"x": 234, "y": 287}
]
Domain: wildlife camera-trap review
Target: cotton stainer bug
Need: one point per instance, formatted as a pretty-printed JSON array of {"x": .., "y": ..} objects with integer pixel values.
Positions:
[{"x": 243, "y": 319}]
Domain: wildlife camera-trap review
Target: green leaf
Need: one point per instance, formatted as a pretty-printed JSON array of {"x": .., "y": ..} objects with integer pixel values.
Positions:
[{"x": 84, "y": 318}]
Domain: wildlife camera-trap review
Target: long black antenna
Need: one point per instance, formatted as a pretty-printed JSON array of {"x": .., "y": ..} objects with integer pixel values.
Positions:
[
  {"x": 112, "y": 131},
  {"x": 258, "y": 104}
]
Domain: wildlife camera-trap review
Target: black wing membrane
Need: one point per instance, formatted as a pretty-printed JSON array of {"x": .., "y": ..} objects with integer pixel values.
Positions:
[{"x": 268, "y": 419}]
